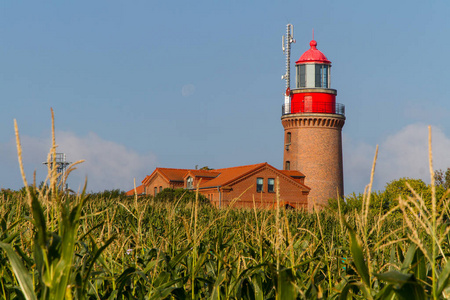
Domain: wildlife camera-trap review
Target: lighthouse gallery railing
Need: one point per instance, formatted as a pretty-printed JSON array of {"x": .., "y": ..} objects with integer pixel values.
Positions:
[{"x": 318, "y": 107}]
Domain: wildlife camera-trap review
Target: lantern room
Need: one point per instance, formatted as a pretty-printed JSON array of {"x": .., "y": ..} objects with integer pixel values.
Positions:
[
  {"x": 312, "y": 93},
  {"x": 313, "y": 69}
]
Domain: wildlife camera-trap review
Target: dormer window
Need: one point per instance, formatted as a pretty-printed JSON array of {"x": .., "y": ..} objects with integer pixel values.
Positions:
[{"x": 189, "y": 182}]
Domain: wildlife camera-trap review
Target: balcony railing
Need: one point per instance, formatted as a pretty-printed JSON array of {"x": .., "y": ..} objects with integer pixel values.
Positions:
[{"x": 313, "y": 107}]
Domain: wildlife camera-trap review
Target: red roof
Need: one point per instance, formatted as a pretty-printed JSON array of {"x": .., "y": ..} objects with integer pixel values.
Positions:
[
  {"x": 313, "y": 55},
  {"x": 168, "y": 174},
  {"x": 139, "y": 191},
  {"x": 219, "y": 177},
  {"x": 292, "y": 173},
  {"x": 173, "y": 174},
  {"x": 230, "y": 174},
  {"x": 202, "y": 173}
]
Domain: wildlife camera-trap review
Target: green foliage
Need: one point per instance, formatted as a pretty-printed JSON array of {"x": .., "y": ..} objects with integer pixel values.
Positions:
[
  {"x": 351, "y": 203},
  {"x": 22, "y": 275},
  {"x": 206, "y": 168},
  {"x": 384, "y": 201},
  {"x": 107, "y": 246},
  {"x": 182, "y": 195},
  {"x": 417, "y": 187},
  {"x": 443, "y": 178},
  {"x": 398, "y": 188},
  {"x": 130, "y": 249},
  {"x": 117, "y": 193}
]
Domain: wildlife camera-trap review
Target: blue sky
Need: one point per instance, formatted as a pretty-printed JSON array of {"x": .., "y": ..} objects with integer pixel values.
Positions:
[{"x": 140, "y": 84}]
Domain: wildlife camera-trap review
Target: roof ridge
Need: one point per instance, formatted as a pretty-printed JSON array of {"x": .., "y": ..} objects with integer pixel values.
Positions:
[
  {"x": 199, "y": 170},
  {"x": 245, "y": 166},
  {"x": 174, "y": 169},
  {"x": 247, "y": 169}
]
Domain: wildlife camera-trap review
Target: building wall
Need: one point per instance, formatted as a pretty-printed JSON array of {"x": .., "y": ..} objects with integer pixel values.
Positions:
[
  {"x": 160, "y": 183},
  {"x": 177, "y": 185},
  {"x": 212, "y": 194},
  {"x": 316, "y": 151},
  {"x": 244, "y": 192}
]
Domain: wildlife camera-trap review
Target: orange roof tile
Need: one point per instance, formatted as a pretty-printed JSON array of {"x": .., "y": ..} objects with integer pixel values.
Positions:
[
  {"x": 202, "y": 173},
  {"x": 228, "y": 175},
  {"x": 292, "y": 173},
  {"x": 139, "y": 191},
  {"x": 173, "y": 174},
  {"x": 168, "y": 174},
  {"x": 219, "y": 177}
]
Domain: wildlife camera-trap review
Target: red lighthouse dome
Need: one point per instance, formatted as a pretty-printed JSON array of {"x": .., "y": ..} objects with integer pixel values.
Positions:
[
  {"x": 313, "y": 55},
  {"x": 312, "y": 93}
]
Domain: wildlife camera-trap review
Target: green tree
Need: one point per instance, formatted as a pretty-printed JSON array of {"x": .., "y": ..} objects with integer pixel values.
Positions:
[
  {"x": 388, "y": 198},
  {"x": 442, "y": 178},
  {"x": 109, "y": 194},
  {"x": 398, "y": 188},
  {"x": 206, "y": 168}
]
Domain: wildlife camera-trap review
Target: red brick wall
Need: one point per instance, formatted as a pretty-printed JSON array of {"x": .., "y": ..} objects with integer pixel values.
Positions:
[
  {"x": 157, "y": 181},
  {"x": 177, "y": 185},
  {"x": 245, "y": 191},
  {"x": 316, "y": 151}
]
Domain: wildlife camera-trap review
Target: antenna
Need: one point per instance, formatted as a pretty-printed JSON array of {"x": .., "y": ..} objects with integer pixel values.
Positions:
[{"x": 288, "y": 39}]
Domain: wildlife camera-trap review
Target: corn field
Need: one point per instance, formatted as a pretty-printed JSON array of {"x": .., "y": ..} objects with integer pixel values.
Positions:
[
  {"x": 63, "y": 246},
  {"x": 60, "y": 245}
]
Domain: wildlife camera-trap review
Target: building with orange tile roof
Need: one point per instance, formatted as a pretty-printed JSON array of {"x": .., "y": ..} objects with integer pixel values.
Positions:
[{"x": 243, "y": 186}]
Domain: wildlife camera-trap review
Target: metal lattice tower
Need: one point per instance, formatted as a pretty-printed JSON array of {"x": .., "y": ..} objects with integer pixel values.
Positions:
[
  {"x": 61, "y": 165},
  {"x": 288, "y": 39}
]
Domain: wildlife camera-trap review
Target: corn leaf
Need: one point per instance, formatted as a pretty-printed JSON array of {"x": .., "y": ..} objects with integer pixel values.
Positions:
[
  {"x": 358, "y": 256},
  {"x": 405, "y": 286},
  {"x": 286, "y": 285},
  {"x": 419, "y": 266},
  {"x": 443, "y": 279},
  {"x": 409, "y": 258},
  {"x": 216, "y": 289},
  {"x": 257, "y": 285},
  {"x": 22, "y": 275}
]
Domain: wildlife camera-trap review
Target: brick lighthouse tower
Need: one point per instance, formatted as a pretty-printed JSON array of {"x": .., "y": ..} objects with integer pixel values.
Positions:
[{"x": 313, "y": 122}]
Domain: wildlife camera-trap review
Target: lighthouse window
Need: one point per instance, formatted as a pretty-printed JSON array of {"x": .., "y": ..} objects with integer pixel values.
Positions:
[
  {"x": 288, "y": 138},
  {"x": 322, "y": 76},
  {"x": 301, "y": 76},
  {"x": 259, "y": 184},
  {"x": 287, "y": 165}
]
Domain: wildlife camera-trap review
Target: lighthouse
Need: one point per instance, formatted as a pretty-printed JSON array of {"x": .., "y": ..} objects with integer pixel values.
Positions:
[{"x": 313, "y": 121}]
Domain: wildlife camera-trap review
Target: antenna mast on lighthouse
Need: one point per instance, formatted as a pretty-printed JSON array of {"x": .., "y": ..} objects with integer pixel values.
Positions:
[{"x": 288, "y": 39}]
